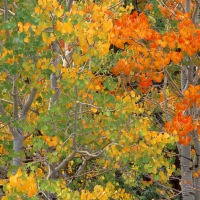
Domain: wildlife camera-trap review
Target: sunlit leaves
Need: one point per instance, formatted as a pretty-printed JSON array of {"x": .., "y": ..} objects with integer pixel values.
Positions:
[
  {"x": 21, "y": 182},
  {"x": 64, "y": 27},
  {"x": 105, "y": 193},
  {"x": 48, "y": 38},
  {"x": 112, "y": 115}
]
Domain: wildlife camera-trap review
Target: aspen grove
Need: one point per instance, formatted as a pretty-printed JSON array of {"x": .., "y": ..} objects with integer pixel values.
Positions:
[{"x": 99, "y": 100}]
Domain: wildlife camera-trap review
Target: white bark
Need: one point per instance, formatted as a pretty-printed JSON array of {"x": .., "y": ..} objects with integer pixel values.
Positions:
[
  {"x": 69, "y": 4},
  {"x": 187, "y": 185},
  {"x": 18, "y": 132},
  {"x": 197, "y": 155},
  {"x": 53, "y": 78},
  {"x": 186, "y": 174}
]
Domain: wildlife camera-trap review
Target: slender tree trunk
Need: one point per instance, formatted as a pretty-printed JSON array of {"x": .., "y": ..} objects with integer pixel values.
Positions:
[{"x": 190, "y": 187}]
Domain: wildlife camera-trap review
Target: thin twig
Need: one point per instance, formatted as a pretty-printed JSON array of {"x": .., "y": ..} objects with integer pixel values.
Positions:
[
  {"x": 173, "y": 83},
  {"x": 9, "y": 11}
]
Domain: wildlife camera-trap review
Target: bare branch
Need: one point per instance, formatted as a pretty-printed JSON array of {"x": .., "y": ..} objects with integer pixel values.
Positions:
[
  {"x": 62, "y": 164},
  {"x": 88, "y": 104},
  {"x": 95, "y": 155},
  {"x": 173, "y": 83},
  {"x": 81, "y": 168},
  {"x": 69, "y": 4},
  {"x": 9, "y": 11},
  {"x": 20, "y": 105},
  {"x": 27, "y": 105},
  {"x": 165, "y": 97},
  {"x": 196, "y": 13},
  {"x": 15, "y": 5},
  {"x": 15, "y": 101}
]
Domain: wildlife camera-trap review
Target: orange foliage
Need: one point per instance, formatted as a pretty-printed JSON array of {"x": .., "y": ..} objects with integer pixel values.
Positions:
[{"x": 183, "y": 124}]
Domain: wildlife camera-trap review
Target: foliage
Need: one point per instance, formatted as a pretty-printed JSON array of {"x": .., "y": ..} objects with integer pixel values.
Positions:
[{"x": 86, "y": 111}]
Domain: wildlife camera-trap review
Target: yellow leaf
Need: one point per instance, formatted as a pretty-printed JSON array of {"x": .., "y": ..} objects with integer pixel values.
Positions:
[
  {"x": 84, "y": 48},
  {"x": 149, "y": 112},
  {"x": 26, "y": 39},
  {"x": 94, "y": 110},
  {"x": 64, "y": 27},
  {"x": 90, "y": 40},
  {"x": 52, "y": 68},
  {"x": 69, "y": 105},
  {"x": 81, "y": 13},
  {"x": 42, "y": 25},
  {"x": 132, "y": 94},
  {"x": 127, "y": 99},
  {"x": 13, "y": 180},
  {"x": 3, "y": 181},
  {"x": 107, "y": 26},
  {"x": 153, "y": 141},
  {"x": 147, "y": 137},
  {"x": 32, "y": 190},
  {"x": 59, "y": 12},
  {"x": 3, "y": 76},
  {"x": 159, "y": 151},
  {"x": 20, "y": 25},
  {"x": 43, "y": 67},
  {"x": 98, "y": 87},
  {"x": 104, "y": 49},
  {"x": 154, "y": 133},
  {"x": 141, "y": 110},
  {"x": 159, "y": 139},
  {"x": 37, "y": 10},
  {"x": 64, "y": 70},
  {"x": 166, "y": 135}
]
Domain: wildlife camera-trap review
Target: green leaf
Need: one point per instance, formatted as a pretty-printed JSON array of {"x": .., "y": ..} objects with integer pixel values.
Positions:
[
  {"x": 110, "y": 84},
  {"x": 157, "y": 177}
]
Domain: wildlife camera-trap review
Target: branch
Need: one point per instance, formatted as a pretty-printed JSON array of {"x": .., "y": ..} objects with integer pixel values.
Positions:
[
  {"x": 189, "y": 76},
  {"x": 196, "y": 77},
  {"x": 195, "y": 13},
  {"x": 9, "y": 11},
  {"x": 173, "y": 83},
  {"x": 20, "y": 105},
  {"x": 62, "y": 164},
  {"x": 95, "y": 155},
  {"x": 81, "y": 168},
  {"x": 27, "y": 105},
  {"x": 69, "y": 4},
  {"x": 88, "y": 104},
  {"x": 187, "y": 6},
  {"x": 15, "y": 101},
  {"x": 179, "y": 155},
  {"x": 54, "y": 86},
  {"x": 165, "y": 97},
  {"x": 15, "y": 5},
  {"x": 63, "y": 144},
  {"x": 3, "y": 170},
  {"x": 27, "y": 135}
]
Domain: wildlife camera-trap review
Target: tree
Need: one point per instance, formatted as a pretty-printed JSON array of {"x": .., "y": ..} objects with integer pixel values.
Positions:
[{"x": 91, "y": 104}]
